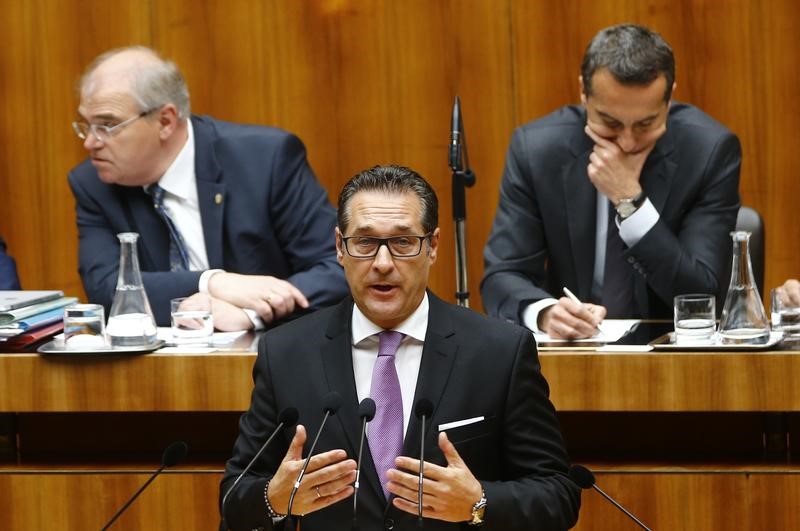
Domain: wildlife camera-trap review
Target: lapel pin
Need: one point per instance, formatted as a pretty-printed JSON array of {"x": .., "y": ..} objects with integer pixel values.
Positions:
[{"x": 218, "y": 199}]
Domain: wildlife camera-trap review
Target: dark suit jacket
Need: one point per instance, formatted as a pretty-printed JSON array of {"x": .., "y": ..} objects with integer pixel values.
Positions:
[
  {"x": 8, "y": 269},
  {"x": 471, "y": 366},
  {"x": 274, "y": 219},
  {"x": 544, "y": 231}
]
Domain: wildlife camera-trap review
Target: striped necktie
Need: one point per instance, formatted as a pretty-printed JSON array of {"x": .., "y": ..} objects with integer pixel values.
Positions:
[{"x": 178, "y": 255}]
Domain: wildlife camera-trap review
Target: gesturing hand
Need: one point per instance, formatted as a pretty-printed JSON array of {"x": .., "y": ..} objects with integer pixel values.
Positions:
[
  {"x": 449, "y": 493},
  {"x": 328, "y": 478}
]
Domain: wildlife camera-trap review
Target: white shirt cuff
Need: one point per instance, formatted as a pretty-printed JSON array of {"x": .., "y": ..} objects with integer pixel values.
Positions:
[
  {"x": 258, "y": 324},
  {"x": 530, "y": 315},
  {"x": 202, "y": 285},
  {"x": 633, "y": 228}
]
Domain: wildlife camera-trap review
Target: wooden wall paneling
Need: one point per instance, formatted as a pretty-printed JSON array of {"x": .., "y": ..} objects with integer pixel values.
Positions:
[
  {"x": 87, "y": 499},
  {"x": 186, "y": 499},
  {"x": 361, "y": 83},
  {"x": 721, "y": 498},
  {"x": 368, "y": 82},
  {"x": 47, "y": 46}
]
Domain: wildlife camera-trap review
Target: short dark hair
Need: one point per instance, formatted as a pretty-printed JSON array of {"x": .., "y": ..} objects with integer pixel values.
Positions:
[
  {"x": 633, "y": 54},
  {"x": 390, "y": 179}
]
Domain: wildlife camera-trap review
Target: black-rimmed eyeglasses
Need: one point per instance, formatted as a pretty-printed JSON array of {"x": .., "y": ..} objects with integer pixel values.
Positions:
[
  {"x": 399, "y": 246},
  {"x": 105, "y": 132}
]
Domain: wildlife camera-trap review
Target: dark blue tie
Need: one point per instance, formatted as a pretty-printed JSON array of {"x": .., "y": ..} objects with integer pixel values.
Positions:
[
  {"x": 178, "y": 255},
  {"x": 618, "y": 277}
]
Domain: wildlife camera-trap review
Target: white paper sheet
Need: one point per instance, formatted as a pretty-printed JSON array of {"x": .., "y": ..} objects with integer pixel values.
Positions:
[{"x": 612, "y": 330}]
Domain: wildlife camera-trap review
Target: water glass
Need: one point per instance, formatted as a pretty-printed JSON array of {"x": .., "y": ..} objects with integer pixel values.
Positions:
[
  {"x": 695, "y": 319},
  {"x": 84, "y": 326},
  {"x": 785, "y": 316},
  {"x": 192, "y": 320}
]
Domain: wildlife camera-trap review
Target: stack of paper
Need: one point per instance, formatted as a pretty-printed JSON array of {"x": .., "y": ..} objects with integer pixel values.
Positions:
[{"x": 28, "y": 316}]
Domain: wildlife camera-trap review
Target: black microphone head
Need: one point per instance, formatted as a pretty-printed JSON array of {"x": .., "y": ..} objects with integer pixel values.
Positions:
[
  {"x": 582, "y": 476},
  {"x": 424, "y": 408},
  {"x": 289, "y": 416},
  {"x": 331, "y": 402},
  {"x": 366, "y": 409},
  {"x": 174, "y": 453}
]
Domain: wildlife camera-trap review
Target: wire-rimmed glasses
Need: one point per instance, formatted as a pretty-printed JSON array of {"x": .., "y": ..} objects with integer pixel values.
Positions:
[{"x": 105, "y": 132}]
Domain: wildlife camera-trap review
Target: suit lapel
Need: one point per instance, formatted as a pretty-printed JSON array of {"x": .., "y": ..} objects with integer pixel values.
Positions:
[
  {"x": 337, "y": 361},
  {"x": 438, "y": 356},
  {"x": 142, "y": 217},
  {"x": 210, "y": 190},
  {"x": 659, "y": 171},
  {"x": 657, "y": 177},
  {"x": 580, "y": 198}
]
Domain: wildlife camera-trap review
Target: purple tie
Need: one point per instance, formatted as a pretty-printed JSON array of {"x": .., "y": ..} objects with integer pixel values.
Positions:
[{"x": 386, "y": 429}]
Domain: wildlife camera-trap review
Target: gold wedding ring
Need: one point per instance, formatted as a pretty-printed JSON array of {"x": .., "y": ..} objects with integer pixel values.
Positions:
[{"x": 318, "y": 493}]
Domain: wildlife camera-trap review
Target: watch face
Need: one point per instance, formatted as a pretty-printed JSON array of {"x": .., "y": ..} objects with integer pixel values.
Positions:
[{"x": 625, "y": 208}]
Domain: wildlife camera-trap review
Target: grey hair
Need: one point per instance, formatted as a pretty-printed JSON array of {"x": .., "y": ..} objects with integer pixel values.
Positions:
[{"x": 153, "y": 84}]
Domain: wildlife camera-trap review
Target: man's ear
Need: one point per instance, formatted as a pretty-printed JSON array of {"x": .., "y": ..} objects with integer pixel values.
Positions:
[
  {"x": 167, "y": 120},
  {"x": 339, "y": 246},
  {"x": 581, "y": 92},
  {"x": 434, "y": 244}
]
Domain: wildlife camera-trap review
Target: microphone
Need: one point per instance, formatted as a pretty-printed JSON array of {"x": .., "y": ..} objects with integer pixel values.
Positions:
[
  {"x": 423, "y": 410},
  {"x": 584, "y": 478},
  {"x": 458, "y": 146},
  {"x": 172, "y": 455},
  {"x": 331, "y": 404},
  {"x": 287, "y": 417},
  {"x": 455, "y": 136},
  {"x": 366, "y": 411}
]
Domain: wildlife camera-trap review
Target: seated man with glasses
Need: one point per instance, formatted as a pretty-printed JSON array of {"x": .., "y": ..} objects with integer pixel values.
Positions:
[{"x": 221, "y": 208}]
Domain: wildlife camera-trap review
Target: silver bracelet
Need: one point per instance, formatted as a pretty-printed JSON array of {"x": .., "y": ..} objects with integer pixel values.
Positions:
[{"x": 270, "y": 511}]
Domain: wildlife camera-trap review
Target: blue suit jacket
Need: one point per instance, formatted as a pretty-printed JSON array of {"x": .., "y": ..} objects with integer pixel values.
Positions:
[
  {"x": 274, "y": 219},
  {"x": 471, "y": 366},
  {"x": 8, "y": 269}
]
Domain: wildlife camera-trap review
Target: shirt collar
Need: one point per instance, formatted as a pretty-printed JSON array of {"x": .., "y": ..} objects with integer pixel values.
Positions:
[
  {"x": 415, "y": 326},
  {"x": 179, "y": 179}
]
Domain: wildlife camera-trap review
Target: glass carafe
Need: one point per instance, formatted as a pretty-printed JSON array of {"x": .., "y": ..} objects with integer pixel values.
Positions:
[
  {"x": 744, "y": 320},
  {"x": 130, "y": 322}
]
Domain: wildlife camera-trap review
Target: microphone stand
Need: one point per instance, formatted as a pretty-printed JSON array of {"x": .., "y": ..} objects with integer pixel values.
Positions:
[{"x": 463, "y": 177}]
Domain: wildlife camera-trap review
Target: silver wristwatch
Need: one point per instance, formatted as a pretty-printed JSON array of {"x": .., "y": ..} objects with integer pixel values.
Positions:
[{"x": 628, "y": 205}]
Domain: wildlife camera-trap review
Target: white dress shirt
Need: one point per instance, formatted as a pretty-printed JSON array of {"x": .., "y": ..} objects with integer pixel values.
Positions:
[
  {"x": 180, "y": 200},
  {"x": 406, "y": 361}
]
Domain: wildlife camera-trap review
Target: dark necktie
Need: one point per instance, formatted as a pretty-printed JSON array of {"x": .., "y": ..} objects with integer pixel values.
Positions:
[
  {"x": 178, "y": 255},
  {"x": 385, "y": 435},
  {"x": 618, "y": 275}
]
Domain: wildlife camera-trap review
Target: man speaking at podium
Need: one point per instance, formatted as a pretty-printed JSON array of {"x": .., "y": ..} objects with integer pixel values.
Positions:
[
  {"x": 626, "y": 200},
  {"x": 504, "y": 467},
  {"x": 228, "y": 209}
]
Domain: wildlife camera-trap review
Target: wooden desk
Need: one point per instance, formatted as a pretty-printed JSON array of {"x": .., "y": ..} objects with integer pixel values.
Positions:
[
  {"x": 579, "y": 381},
  {"x": 44, "y": 395},
  {"x": 669, "y": 381}
]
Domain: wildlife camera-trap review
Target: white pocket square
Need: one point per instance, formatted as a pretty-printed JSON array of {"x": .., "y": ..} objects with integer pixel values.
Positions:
[{"x": 459, "y": 423}]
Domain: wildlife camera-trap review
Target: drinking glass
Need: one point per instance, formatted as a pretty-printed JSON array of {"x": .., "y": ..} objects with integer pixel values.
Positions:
[
  {"x": 694, "y": 319},
  {"x": 84, "y": 326},
  {"x": 192, "y": 320}
]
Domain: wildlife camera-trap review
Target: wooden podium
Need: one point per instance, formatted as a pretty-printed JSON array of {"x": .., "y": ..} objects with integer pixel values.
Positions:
[{"x": 684, "y": 440}]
